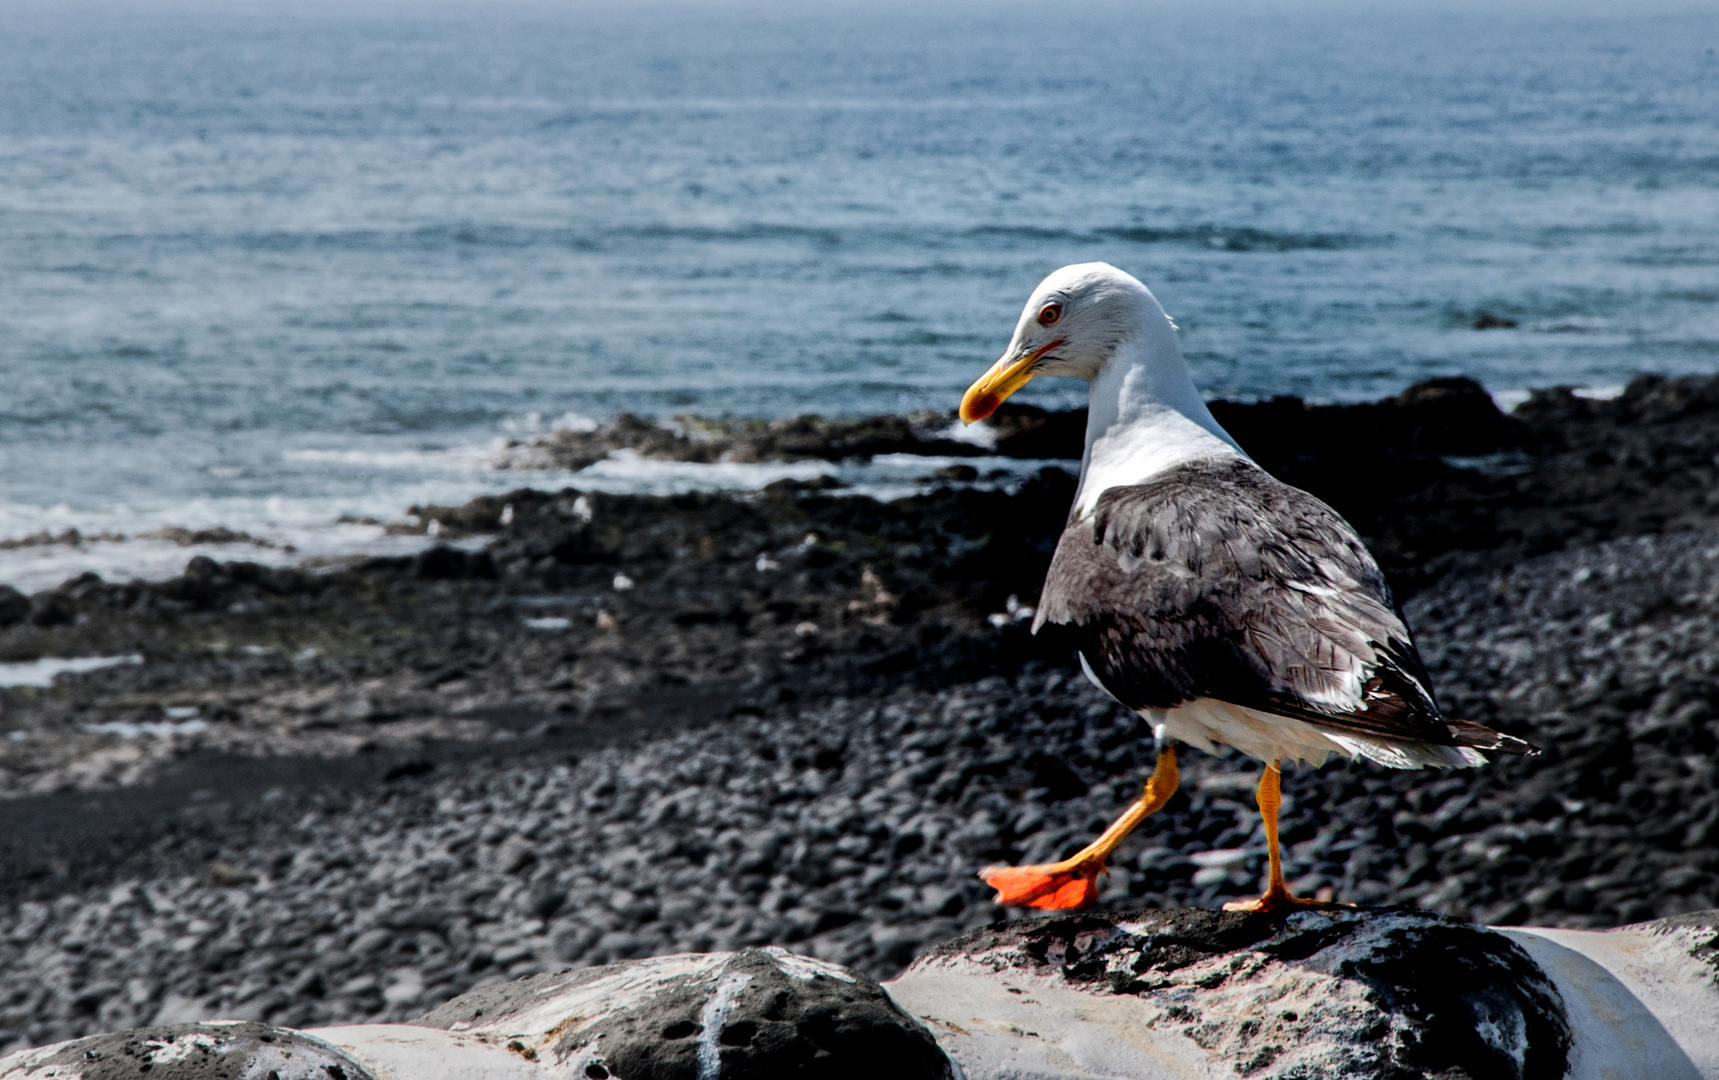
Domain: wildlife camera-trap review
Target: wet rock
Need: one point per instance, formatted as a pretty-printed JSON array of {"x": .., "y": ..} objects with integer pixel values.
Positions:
[
  {"x": 14, "y": 606},
  {"x": 791, "y": 486},
  {"x": 1447, "y": 475},
  {"x": 442, "y": 563},
  {"x": 51, "y": 608},
  {"x": 1439, "y": 416},
  {"x": 484, "y": 514},
  {"x": 1026, "y": 431},
  {"x": 188, "y": 537},
  {"x": 703, "y": 439}
]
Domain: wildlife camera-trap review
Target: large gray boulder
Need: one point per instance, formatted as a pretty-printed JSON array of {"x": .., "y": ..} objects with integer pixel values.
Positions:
[
  {"x": 754, "y": 1013},
  {"x": 1643, "y": 1000},
  {"x": 1147, "y": 995},
  {"x": 757, "y": 1013},
  {"x": 217, "y": 1050},
  {"x": 1328, "y": 994}
]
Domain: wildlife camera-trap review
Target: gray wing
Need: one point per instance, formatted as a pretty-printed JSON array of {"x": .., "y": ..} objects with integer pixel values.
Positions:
[{"x": 1215, "y": 580}]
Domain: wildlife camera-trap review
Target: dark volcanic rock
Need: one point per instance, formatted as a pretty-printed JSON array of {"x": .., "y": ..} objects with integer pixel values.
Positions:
[
  {"x": 1330, "y": 993},
  {"x": 845, "y": 819},
  {"x": 1432, "y": 477},
  {"x": 1441, "y": 416},
  {"x": 795, "y": 438},
  {"x": 812, "y": 716},
  {"x": 14, "y": 606},
  {"x": 50, "y": 608}
]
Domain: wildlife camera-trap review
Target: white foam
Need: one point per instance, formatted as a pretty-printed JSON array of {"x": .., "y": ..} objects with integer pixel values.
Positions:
[
  {"x": 43, "y": 567},
  {"x": 980, "y": 434},
  {"x": 160, "y": 729},
  {"x": 531, "y": 424},
  {"x": 458, "y": 458},
  {"x": 349, "y": 520},
  {"x": 626, "y": 471},
  {"x": 896, "y": 476},
  {"x": 283, "y": 531},
  {"x": 886, "y": 476},
  {"x": 1574, "y": 325},
  {"x": 1507, "y": 400},
  {"x": 41, "y": 673}
]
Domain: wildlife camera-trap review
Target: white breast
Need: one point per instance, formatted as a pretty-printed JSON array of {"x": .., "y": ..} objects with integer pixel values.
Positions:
[
  {"x": 1144, "y": 416},
  {"x": 1133, "y": 453}
]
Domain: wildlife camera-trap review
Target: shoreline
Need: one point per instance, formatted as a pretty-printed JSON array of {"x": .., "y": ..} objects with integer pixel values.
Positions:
[
  {"x": 1435, "y": 434},
  {"x": 555, "y": 602},
  {"x": 613, "y": 725}
]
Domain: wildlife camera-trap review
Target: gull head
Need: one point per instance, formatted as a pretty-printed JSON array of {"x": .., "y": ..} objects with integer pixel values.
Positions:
[{"x": 1072, "y": 325}]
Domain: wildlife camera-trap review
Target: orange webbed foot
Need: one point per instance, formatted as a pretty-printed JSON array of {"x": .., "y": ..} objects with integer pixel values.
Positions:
[{"x": 1053, "y": 886}]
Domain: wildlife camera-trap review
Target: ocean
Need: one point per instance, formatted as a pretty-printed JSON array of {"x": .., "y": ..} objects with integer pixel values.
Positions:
[{"x": 289, "y": 269}]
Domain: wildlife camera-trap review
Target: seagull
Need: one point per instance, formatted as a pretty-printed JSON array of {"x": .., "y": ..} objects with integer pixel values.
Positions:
[{"x": 1215, "y": 601}]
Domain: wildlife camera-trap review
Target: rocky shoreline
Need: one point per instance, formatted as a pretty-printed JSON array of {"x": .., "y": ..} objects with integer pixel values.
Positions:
[
  {"x": 611, "y": 726},
  {"x": 1149, "y": 994}
]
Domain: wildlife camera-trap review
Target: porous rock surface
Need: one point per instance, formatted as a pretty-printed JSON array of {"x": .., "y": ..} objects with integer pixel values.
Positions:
[
  {"x": 1345, "y": 994},
  {"x": 221, "y": 1050},
  {"x": 1332, "y": 994},
  {"x": 758, "y": 1013},
  {"x": 754, "y": 1013}
]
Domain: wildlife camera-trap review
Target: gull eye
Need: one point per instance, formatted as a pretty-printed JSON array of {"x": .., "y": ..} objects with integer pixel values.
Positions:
[{"x": 1049, "y": 314}]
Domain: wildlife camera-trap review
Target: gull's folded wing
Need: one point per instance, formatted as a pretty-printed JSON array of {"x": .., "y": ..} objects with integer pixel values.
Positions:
[{"x": 1215, "y": 580}]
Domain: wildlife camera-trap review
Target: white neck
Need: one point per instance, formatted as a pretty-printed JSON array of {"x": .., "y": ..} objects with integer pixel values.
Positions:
[{"x": 1145, "y": 415}]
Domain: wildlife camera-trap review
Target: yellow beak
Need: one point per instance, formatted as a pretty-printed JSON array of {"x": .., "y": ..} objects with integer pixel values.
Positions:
[{"x": 994, "y": 387}]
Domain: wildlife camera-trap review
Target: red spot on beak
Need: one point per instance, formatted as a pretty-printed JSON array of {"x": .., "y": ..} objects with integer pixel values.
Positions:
[{"x": 982, "y": 406}]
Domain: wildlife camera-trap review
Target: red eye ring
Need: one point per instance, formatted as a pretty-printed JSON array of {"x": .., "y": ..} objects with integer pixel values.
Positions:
[{"x": 1050, "y": 314}]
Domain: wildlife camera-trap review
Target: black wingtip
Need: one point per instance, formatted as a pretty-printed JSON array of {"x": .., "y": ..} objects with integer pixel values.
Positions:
[
  {"x": 1480, "y": 737},
  {"x": 1510, "y": 744}
]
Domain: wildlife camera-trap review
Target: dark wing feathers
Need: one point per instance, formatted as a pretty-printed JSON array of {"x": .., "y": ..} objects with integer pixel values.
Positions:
[
  {"x": 1481, "y": 737},
  {"x": 1215, "y": 580}
]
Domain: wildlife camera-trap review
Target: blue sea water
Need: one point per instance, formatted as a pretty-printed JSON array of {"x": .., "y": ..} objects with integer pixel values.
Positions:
[{"x": 265, "y": 265}]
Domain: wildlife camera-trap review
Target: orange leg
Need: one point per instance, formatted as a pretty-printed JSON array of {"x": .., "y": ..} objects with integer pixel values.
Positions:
[
  {"x": 1277, "y": 895},
  {"x": 1073, "y": 883}
]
